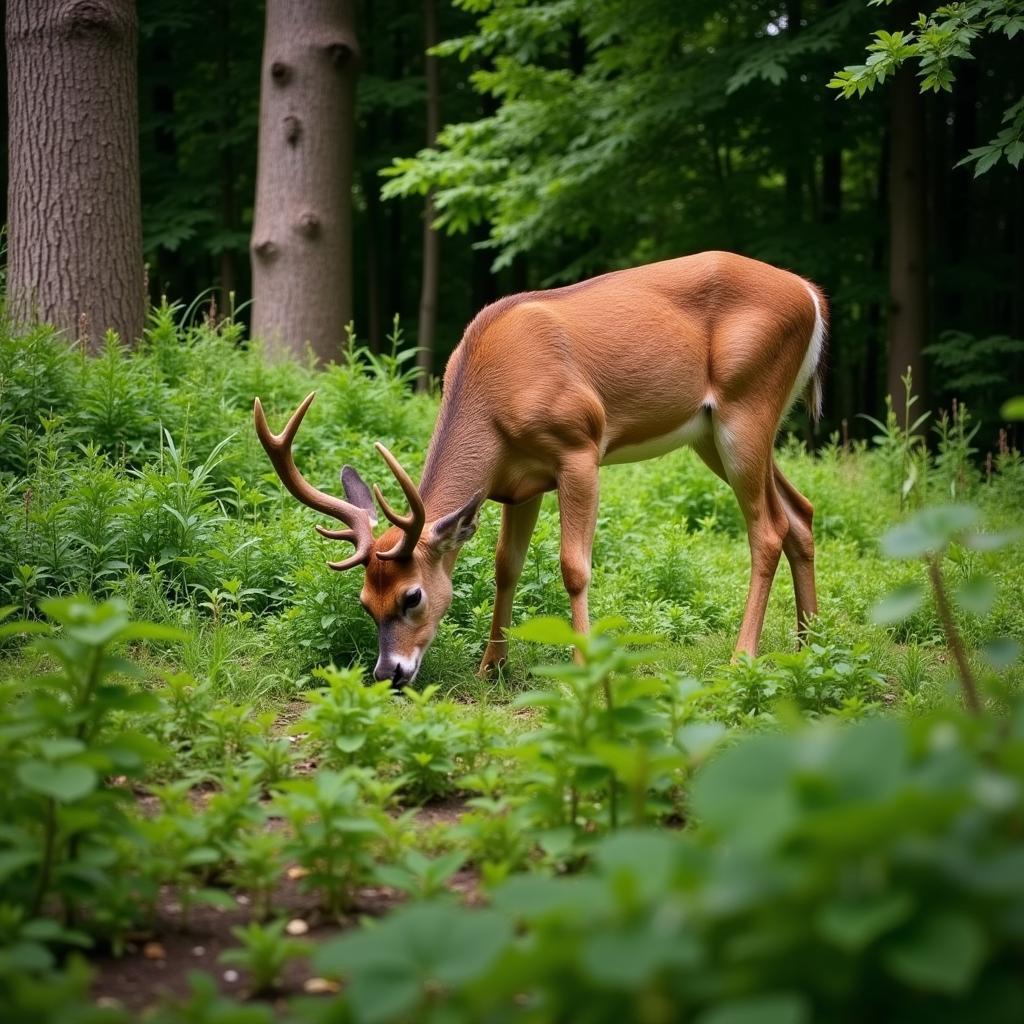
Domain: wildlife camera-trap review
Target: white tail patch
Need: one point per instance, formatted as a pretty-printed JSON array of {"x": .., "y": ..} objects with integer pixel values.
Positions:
[{"x": 811, "y": 359}]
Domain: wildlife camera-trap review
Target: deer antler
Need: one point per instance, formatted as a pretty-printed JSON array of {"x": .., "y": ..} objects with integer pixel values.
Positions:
[
  {"x": 279, "y": 448},
  {"x": 410, "y": 525}
]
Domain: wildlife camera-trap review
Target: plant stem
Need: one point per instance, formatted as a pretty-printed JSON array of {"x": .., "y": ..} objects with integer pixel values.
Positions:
[
  {"x": 967, "y": 681},
  {"x": 613, "y": 796},
  {"x": 49, "y": 844}
]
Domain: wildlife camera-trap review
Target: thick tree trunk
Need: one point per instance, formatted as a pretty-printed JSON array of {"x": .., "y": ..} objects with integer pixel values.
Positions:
[
  {"x": 302, "y": 223},
  {"x": 907, "y": 311},
  {"x": 425, "y": 338},
  {"x": 75, "y": 237}
]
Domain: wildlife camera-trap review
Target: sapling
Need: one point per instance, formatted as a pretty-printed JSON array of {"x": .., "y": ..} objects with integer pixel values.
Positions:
[{"x": 264, "y": 952}]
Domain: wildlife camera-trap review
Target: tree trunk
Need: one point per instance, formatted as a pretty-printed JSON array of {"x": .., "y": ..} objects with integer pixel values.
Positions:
[
  {"x": 74, "y": 222},
  {"x": 906, "y": 322},
  {"x": 302, "y": 223},
  {"x": 425, "y": 338}
]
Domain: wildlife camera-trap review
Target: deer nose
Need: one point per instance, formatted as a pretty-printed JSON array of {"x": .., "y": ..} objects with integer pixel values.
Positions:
[{"x": 392, "y": 670}]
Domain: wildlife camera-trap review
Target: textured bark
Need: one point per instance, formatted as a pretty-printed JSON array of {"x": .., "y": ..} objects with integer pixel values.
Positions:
[
  {"x": 302, "y": 225},
  {"x": 75, "y": 237},
  {"x": 907, "y": 296},
  {"x": 425, "y": 338}
]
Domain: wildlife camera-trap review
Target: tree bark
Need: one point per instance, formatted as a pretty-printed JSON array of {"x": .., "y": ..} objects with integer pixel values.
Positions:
[
  {"x": 425, "y": 338},
  {"x": 907, "y": 309},
  {"x": 74, "y": 221},
  {"x": 302, "y": 225}
]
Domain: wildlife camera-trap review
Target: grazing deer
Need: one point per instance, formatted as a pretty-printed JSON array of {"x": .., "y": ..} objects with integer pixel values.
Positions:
[{"x": 546, "y": 387}]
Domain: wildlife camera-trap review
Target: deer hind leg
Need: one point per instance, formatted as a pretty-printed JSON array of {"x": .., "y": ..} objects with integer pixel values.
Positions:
[
  {"x": 577, "y": 509},
  {"x": 517, "y": 523},
  {"x": 799, "y": 549},
  {"x": 745, "y": 451}
]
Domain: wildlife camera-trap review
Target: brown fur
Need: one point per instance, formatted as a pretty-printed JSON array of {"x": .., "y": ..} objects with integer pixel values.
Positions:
[{"x": 545, "y": 386}]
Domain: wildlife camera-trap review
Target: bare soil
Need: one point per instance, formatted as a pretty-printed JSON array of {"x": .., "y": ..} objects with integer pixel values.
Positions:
[{"x": 156, "y": 966}]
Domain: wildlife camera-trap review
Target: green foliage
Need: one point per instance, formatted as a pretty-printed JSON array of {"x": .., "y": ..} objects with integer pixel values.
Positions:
[
  {"x": 66, "y": 832},
  {"x": 584, "y": 94},
  {"x": 834, "y": 870},
  {"x": 263, "y": 952},
  {"x": 935, "y": 42},
  {"x": 332, "y": 833},
  {"x": 172, "y": 775}
]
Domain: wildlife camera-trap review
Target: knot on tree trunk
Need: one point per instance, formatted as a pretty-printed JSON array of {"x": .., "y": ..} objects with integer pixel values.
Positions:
[
  {"x": 91, "y": 19},
  {"x": 264, "y": 249},
  {"x": 308, "y": 224},
  {"x": 342, "y": 52},
  {"x": 292, "y": 129},
  {"x": 280, "y": 72}
]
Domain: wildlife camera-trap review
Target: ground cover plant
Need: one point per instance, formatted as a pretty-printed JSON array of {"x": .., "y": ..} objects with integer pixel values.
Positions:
[{"x": 194, "y": 759}]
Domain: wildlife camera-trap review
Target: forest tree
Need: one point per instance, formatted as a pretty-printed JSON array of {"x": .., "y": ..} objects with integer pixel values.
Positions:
[
  {"x": 75, "y": 236},
  {"x": 302, "y": 225}
]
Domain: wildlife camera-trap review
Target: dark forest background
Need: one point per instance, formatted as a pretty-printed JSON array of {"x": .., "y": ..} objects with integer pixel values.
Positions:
[{"x": 590, "y": 137}]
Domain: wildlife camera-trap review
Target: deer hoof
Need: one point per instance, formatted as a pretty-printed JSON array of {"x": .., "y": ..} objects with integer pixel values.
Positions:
[{"x": 490, "y": 666}]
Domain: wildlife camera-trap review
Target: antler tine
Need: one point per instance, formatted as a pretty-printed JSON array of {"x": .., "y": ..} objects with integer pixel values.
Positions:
[
  {"x": 410, "y": 525},
  {"x": 279, "y": 448}
]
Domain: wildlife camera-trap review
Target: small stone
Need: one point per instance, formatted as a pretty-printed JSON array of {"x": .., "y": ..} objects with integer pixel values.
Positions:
[
  {"x": 320, "y": 986},
  {"x": 297, "y": 872},
  {"x": 199, "y": 951},
  {"x": 243, "y": 901},
  {"x": 296, "y": 927},
  {"x": 231, "y": 977},
  {"x": 109, "y": 1003},
  {"x": 154, "y": 951}
]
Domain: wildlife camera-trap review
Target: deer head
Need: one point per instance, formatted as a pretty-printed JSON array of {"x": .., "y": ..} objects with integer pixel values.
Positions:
[{"x": 407, "y": 588}]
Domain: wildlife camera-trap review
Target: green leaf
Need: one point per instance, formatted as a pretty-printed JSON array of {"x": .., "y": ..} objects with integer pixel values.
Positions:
[
  {"x": 152, "y": 631},
  {"x": 784, "y": 1008},
  {"x": 1013, "y": 409},
  {"x": 64, "y": 782},
  {"x": 698, "y": 739},
  {"x": 853, "y": 924},
  {"x": 929, "y": 531},
  {"x": 898, "y": 604},
  {"x": 990, "y": 541},
  {"x": 216, "y": 898},
  {"x": 59, "y": 747},
  {"x": 630, "y": 958},
  {"x": 389, "y": 967},
  {"x": 23, "y": 628},
  {"x": 546, "y": 629},
  {"x": 1002, "y": 652},
  {"x": 942, "y": 954},
  {"x": 976, "y": 595},
  {"x": 15, "y": 860},
  {"x": 350, "y": 744}
]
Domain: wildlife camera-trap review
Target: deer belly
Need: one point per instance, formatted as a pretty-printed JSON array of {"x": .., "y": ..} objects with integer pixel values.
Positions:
[{"x": 694, "y": 429}]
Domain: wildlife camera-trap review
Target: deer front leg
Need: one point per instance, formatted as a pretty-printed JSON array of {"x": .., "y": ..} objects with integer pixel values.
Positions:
[
  {"x": 517, "y": 523},
  {"x": 577, "y": 509}
]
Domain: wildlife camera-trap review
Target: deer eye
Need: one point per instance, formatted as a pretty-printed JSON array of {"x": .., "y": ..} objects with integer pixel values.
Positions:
[{"x": 412, "y": 599}]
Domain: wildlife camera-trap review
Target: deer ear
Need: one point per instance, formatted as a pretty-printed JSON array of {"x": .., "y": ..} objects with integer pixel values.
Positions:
[
  {"x": 453, "y": 530},
  {"x": 358, "y": 493}
]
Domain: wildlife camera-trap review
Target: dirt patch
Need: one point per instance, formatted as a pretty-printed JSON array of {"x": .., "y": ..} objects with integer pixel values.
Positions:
[{"x": 156, "y": 967}]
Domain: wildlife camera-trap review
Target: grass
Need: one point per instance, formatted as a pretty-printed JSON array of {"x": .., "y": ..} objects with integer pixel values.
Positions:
[
  {"x": 260, "y": 769},
  {"x": 139, "y": 475}
]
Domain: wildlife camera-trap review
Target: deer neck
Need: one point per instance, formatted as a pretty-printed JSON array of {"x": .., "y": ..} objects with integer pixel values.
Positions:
[{"x": 460, "y": 461}]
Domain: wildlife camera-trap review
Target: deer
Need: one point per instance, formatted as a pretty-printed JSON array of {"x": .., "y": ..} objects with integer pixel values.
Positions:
[{"x": 546, "y": 387}]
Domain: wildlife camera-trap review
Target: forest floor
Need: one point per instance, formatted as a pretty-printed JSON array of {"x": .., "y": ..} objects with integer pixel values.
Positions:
[{"x": 257, "y": 751}]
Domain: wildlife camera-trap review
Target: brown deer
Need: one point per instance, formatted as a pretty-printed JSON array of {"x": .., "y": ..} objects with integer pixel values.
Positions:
[{"x": 546, "y": 387}]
